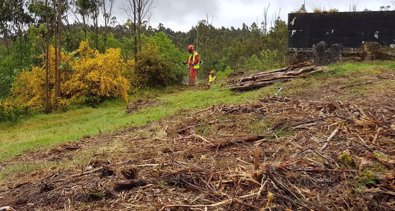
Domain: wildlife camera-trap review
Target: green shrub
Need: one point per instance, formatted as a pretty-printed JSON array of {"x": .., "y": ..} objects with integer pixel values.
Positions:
[
  {"x": 266, "y": 60},
  {"x": 159, "y": 63},
  {"x": 9, "y": 112},
  {"x": 225, "y": 73},
  {"x": 272, "y": 59},
  {"x": 152, "y": 70},
  {"x": 254, "y": 63},
  {"x": 168, "y": 51}
]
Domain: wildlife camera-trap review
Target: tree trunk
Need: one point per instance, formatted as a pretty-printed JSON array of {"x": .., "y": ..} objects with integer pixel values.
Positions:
[
  {"x": 135, "y": 30},
  {"x": 47, "y": 95},
  {"x": 97, "y": 31},
  {"x": 105, "y": 26},
  {"x": 139, "y": 21},
  {"x": 20, "y": 46},
  {"x": 84, "y": 23},
  {"x": 59, "y": 78},
  {"x": 56, "y": 10},
  {"x": 105, "y": 39},
  {"x": 7, "y": 45},
  {"x": 139, "y": 29}
]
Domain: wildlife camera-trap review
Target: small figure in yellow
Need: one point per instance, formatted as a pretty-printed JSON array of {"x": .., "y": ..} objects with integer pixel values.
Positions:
[{"x": 212, "y": 76}]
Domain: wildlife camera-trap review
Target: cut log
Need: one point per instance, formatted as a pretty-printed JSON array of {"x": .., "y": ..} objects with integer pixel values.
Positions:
[
  {"x": 262, "y": 79},
  {"x": 252, "y": 77},
  {"x": 255, "y": 85}
]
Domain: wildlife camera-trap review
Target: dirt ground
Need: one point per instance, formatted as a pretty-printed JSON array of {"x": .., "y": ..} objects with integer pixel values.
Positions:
[{"x": 277, "y": 153}]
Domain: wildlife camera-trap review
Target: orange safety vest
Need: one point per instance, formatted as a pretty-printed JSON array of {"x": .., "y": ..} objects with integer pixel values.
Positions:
[{"x": 192, "y": 60}]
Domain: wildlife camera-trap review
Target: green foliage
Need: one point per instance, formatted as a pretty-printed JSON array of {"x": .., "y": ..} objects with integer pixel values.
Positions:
[
  {"x": 347, "y": 159},
  {"x": 11, "y": 112},
  {"x": 277, "y": 40},
  {"x": 6, "y": 74},
  {"x": 224, "y": 73},
  {"x": 113, "y": 42},
  {"x": 38, "y": 9},
  {"x": 250, "y": 49},
  {"x": 253, "y": 63},
  {"x": 367, "y": 177},
  {"x": 223, "y": 47},
  {"x": 170, "y": 52},
  {"x": 272, "y": 59},
  {"x": 152, "y": 70},
  {"x": 267, "y": 60},
  {"x": 158, "y": 63},
  {"x": 13, "y": 59},
  {"x": 83, "y": 6}
]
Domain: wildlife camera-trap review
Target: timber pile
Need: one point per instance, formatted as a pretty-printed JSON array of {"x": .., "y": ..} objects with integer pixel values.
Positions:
[{"x": 262, "y": 79}]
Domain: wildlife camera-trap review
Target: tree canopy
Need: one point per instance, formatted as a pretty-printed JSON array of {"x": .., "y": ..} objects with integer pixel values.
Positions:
[{"x": 40, "y": 50}]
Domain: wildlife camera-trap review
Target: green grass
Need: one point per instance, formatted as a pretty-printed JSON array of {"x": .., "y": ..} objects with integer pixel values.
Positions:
[
  {"x": 348, "y": 69},
  {"x": 45, "y": 131}
]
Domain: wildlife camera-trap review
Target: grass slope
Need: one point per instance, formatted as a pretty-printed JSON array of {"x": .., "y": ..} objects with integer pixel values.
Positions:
[{"x": 46, "y": 131}]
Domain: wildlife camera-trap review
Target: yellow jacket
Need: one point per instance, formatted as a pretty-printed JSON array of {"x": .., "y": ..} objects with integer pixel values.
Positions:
[{"x": 211, "y": 78}]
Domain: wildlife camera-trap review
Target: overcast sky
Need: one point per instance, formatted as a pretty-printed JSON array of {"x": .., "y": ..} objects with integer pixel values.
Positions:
[{"x": 181, "y": 15}]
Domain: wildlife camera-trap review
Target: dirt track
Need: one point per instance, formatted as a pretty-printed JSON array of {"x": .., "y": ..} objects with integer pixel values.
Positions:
[{"x": 277, "y": 153}]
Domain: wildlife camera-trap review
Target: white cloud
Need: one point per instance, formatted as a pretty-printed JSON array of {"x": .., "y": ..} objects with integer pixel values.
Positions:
[{"x": 183, "y": 14}]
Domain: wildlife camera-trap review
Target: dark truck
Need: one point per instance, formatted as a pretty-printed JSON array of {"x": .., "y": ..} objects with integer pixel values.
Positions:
[{"x": 350, "y": 29}]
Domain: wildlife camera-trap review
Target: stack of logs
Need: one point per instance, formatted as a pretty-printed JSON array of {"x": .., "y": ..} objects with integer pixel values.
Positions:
[{"x": 262, "y": 79}]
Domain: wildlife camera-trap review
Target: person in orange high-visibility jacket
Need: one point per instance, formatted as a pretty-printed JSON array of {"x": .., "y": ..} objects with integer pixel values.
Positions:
[{"x": 193, "y": 65}]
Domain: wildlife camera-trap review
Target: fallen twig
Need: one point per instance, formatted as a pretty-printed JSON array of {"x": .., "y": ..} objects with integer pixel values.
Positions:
[
  {"x": 218, "y": 204},
  {"x": 201, "y": 138},
  {"x": 330, "y": 138},
  {"x": 376, "y": 136},
  {"x": 316, "y": 170},
  {"x": 225, "y": 144},
  {"x": 119, "y": 163},
  {"x": 378, "y": 190},
  {"x": 365, "y": 144}
]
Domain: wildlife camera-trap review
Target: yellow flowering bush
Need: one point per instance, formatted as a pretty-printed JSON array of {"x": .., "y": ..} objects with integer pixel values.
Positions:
[
  {"x": 29, "y": 87},
  {"x": 87, "y": 76},
  {"x": 97, "y": 76}
]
